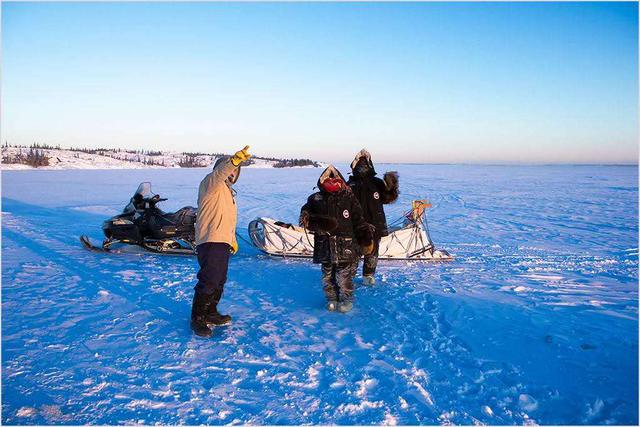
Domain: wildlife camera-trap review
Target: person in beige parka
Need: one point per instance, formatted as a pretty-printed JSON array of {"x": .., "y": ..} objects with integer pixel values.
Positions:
[{"x": 215, "y": 240}]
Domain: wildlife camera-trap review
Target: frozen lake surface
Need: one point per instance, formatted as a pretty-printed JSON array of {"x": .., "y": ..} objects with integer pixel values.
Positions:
[{"x": 536, "y": 321}]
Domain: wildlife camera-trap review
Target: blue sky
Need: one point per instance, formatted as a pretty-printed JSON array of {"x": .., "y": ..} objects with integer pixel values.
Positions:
[{"x": 412, "y": 82}]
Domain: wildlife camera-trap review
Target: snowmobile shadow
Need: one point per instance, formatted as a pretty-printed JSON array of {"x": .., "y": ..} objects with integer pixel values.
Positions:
[
  {"x": 53, "y": 238},
  {"x": 140, "y": 277},
  {"x": 64, "y": 217}
]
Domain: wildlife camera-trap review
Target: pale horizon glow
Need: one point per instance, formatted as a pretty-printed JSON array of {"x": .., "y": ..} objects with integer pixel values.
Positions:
[{"x": 412, "y": 82}]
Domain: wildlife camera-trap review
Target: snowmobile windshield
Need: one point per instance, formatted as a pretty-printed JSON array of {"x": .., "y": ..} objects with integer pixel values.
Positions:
[
  {"x": 144, "y": 189},
  {"x": 143, "y": 192}
]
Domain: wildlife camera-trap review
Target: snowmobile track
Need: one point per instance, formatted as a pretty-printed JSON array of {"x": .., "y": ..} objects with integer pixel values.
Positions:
[
  {"x": 86, "y": 243},
  {"x": 146, "y": 249}
]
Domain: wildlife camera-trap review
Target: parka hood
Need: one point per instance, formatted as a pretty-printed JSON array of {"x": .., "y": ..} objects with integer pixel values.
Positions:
[
  {"x": 329, "y": 172},
  {"x": 363, "y": 154}
]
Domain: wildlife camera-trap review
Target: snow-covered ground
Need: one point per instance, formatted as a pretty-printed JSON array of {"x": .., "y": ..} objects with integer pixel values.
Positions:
[
  {"x": 536, "y": 321},
  {"x": 61, "y": 159}
]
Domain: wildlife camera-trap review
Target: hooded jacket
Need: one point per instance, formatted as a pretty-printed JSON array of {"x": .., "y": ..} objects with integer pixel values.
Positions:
[
  {"x": 337, "y": 221},
  {"x": 372, "y": 192},
  {"x": 217, "y": 211}
]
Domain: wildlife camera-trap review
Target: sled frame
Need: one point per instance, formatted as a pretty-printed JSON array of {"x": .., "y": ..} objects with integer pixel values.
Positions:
[{"x": 262, "y": 234}]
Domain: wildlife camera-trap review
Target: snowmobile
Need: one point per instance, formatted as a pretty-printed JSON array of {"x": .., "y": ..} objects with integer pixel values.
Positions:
[
  {"x": 143, "y": 224},
  {"x": 408, "y": 238}
]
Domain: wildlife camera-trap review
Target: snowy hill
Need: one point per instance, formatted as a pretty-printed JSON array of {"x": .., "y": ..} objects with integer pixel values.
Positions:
[{"x": 15, "y": 158}]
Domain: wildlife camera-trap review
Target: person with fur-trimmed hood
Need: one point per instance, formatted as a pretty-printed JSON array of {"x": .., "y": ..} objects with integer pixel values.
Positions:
[
  {"x": 341, "y": 235},
  {"x": 372, "y": 193},
  {"x": 215, "y": 240}
]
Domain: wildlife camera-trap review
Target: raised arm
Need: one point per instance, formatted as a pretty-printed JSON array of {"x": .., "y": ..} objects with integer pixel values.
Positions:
[
  {"x": 391, "y": 188},
  {"x": 222, "y": 170}
]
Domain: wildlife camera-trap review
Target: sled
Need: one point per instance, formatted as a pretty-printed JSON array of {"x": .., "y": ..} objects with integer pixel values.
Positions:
[{"x": 408, "y": 238}]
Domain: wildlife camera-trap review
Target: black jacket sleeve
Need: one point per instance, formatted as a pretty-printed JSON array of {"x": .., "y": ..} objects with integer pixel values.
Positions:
[
  {"x": 303, "y": 221},
  {"x": 312, "y": 218},
  {"x": 363, "y": 230}
]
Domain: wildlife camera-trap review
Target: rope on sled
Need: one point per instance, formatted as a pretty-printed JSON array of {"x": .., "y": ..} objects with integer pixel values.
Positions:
[
  {"x": 410, "y": 220},
  {"x": 238, "y": 235},
  {"x": 287, "y": 248}
]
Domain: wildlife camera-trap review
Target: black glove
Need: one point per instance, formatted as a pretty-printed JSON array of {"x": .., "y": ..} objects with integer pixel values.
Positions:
[
  {"x": 365, "y": 235},
  {"x": 392, "y": 188}
]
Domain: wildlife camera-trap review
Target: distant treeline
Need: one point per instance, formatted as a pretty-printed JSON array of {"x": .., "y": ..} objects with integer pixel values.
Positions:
[
  {"x": 36, "y": 156},
  {"x": 198, "y": 160},
  {"x": 101, "y": 151},
  {"x": 288, "y": 163},
  {"x": 85, "y": 150}
]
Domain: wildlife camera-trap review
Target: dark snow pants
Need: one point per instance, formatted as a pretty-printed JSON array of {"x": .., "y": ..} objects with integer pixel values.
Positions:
[
  {"x": 371, "y": 261},
  {"x": 337, "y": 280},
  {"x": 214, "y": 261}
]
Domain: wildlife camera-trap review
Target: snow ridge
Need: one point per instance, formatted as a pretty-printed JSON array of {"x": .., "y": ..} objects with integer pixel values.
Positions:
[{"x": 60, "y": 159}]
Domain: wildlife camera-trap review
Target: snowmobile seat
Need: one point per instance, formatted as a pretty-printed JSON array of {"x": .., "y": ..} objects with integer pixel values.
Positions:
[{"x": 183, "y": 216}]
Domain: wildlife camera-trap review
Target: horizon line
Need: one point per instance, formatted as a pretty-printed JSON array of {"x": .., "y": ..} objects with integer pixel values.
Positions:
[{"x": 452, "y": 163}]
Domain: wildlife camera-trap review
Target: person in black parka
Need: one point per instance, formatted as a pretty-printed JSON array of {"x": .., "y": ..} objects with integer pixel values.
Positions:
[
  {"x": 372, "y": 193},
  {"x": 341, "y": 235}
]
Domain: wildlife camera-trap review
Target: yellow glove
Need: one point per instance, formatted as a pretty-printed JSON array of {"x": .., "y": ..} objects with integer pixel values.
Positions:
[
  {"x": 233, "y": 247},
  {"x": 241, "y": 156}
]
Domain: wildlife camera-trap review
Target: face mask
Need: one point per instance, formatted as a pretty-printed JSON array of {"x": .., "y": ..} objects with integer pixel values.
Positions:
[
  {"x": 332, "y": 185},
  {"x": 362, "y": 169}
]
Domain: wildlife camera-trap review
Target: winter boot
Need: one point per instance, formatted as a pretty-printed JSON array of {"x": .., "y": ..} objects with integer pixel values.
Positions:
[
  {"x": 332, "y": 305},
  {"x": 217, "y": 319},
  {"x": 213, "y": 316},
  {"x": 345, "y": 306},
  {"x": 368, "y": 280},
  {"x": 198, "y": 315}
]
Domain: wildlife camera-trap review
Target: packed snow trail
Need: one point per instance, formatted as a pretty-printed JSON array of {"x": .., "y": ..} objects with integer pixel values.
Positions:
[{"x": 535, "y": 321}]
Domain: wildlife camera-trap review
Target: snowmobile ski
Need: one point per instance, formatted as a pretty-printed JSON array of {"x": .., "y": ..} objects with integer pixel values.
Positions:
[
  {"x": 171, "y": 247},
  {"x": 160, "y": 248},
  {"x": 86, "y": 242}
]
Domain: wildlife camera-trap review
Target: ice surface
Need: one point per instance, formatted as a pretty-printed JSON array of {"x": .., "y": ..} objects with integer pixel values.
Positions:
[{"x": 536, "y": 321}]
